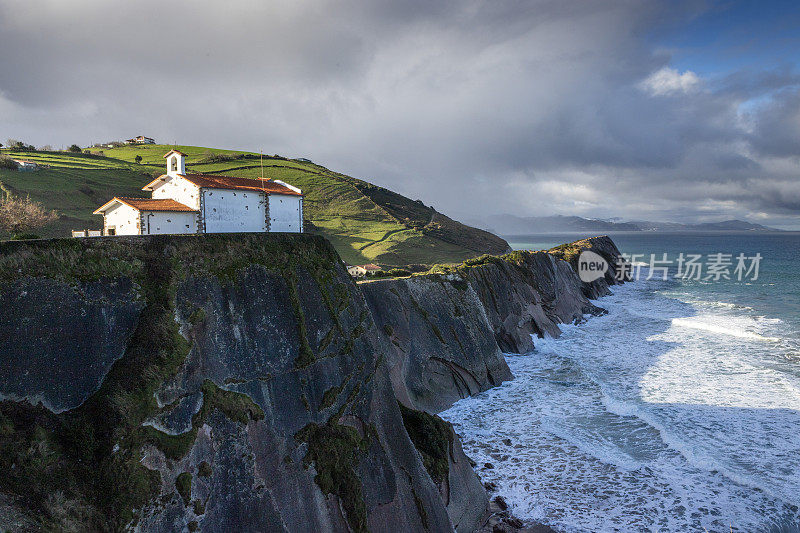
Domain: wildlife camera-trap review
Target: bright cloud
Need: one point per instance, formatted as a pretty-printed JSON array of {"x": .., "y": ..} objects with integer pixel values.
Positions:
[{"x": 668, "y": 81}]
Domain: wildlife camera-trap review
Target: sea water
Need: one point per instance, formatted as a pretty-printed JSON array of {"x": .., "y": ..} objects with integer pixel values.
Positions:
[{"x": 679, "y": 410}]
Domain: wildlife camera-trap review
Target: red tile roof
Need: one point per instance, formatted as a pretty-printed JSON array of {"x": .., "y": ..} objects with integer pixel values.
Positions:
[
  {"x": 149, "y": 204},
  {"x": 213, "y": 181},
  {"x": 174, "y": 152}
]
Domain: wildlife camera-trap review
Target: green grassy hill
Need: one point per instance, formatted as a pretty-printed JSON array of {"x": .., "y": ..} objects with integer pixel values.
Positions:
[{"x": 365, "y": 223}]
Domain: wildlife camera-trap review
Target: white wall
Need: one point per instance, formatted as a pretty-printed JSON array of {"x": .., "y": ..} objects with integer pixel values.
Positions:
[
  {"x": 178, "y": 189},
  {"x": 124, "y": 219},
  {"x": 160, "y": 222},
  {"x": 285, "y": 213},
  {"x": 180, "y": 165},
  {"x": 229, "y": 211}
]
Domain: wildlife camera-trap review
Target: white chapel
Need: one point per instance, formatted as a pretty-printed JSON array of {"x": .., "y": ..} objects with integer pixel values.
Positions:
[{"x": 205, "y": 203}]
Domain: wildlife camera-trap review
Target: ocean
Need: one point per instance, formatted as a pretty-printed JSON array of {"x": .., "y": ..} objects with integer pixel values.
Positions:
[{"x": 679, "y": 410}]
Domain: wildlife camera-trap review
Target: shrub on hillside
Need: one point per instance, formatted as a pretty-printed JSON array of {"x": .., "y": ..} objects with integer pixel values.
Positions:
[
  {"x": 7, "y": 163},
  {"x": 19, "y": 216},
  {"x": 75, "y": 149},
  {"x": 22, "y": 147},
  {"x": 392, "y": 273},
  {"x": 14, "y": 144},
  {"x": 224, "y": 158},
  {"x": 418, "y": 268}
]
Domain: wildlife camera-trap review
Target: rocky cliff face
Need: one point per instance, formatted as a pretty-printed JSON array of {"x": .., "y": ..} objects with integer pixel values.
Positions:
[
  {"x": 527, "y": 295},
  {"x": 618, "y": 270},
  {"x": 440, "y": 343},
  {"x": 60, "y": 340},
  {"x": 244, "y": 382},
  {"x": 247, "y": 391},
  {"x": 522, "y": 295}
]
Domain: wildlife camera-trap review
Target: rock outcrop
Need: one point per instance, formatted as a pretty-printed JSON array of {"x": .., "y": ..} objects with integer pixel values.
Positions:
[
  {"x": 441, "y": 325},
  {"x": 440, "y": 343},
  {"x": 252, "y": 395},
  {"x": 618, "y": 270},
  {"x": 245, "y": 382},
  {"x": 527, "y": 295},
  {"x": 60, "y": 340}
]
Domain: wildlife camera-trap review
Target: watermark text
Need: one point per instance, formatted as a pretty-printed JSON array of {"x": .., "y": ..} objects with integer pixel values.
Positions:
[{"x": 697, "y": 267}]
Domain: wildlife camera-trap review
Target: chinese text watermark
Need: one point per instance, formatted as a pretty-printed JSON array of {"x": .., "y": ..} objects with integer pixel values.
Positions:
[{"x": 697, "y": 267}]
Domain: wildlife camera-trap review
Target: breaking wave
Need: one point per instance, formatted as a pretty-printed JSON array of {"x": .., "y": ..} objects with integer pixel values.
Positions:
[{"x": 664, "y": 415}]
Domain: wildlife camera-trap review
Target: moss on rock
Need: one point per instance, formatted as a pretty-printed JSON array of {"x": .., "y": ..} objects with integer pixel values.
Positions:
[
  {"x": 329, "y": 397},
  {"x": 6, "y": 426},
  {"x": 204, "y": 469},
  {"x": 433, "y": 439},
  {"x": 95, "y": 457},
  {"x": 71, "y": 260},
  {"x": 567, "y": 252},
  {"x": 183, "y": 484},
  {"x": 234, "y": 405},
  {"x": 334, "y": 450}
]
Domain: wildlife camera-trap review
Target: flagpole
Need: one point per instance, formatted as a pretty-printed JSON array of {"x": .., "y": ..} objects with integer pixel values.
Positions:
[{"x": 262, "y": 168}]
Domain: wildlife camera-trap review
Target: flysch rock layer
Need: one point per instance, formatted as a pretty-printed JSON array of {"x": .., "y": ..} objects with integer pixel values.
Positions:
[{"x": 275, "y": 407}]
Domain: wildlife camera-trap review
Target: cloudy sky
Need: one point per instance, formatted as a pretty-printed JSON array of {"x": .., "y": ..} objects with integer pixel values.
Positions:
[{"x": 668, "y": 110}]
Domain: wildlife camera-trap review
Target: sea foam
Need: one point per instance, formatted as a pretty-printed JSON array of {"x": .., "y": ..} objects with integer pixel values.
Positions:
[{"x": 663, "y": 415}]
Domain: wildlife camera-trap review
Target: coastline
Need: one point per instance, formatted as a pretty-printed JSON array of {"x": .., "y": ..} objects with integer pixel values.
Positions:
[
  {"x": 220, "y": 301},
  {"x": 660, "y": 396},
  {"x": 520, "y": 297}
]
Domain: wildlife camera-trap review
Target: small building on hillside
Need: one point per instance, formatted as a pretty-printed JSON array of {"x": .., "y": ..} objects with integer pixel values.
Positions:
[
  {"x": 141, "y": 139},
  {"x": 205, "y": 203},
  {"x": 359, "y": 271},
  {"x": 23, "y": 165}
]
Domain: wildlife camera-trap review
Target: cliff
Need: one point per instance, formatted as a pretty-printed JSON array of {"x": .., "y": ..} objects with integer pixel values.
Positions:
[
  {"x": 244, "y": 382},
  {"x": 441, "y": 347},
  {"x": 618, "y": 271},
  {"x": 236, "y": 383},
  {"x": 438, "y": 323}
]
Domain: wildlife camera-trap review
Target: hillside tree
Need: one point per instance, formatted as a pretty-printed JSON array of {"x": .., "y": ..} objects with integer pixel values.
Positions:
[
  {"x": 75, "y": 149},
  {"x": 14, "y": 144},
  {"x": 19, "y": 216},
  {"x": 138, "y": 159}
]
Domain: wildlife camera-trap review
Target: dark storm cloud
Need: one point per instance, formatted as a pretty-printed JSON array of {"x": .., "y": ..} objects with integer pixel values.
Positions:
[
  {"x": 529, "y": 107},
  {"x": 777, "y": 125}
]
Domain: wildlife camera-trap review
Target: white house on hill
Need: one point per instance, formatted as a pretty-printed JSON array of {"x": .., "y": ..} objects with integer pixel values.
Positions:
[
  {"x": 205, "y": 203},
  {"x": 23, "y": 165},
  {"x": 141, "y": 139}
]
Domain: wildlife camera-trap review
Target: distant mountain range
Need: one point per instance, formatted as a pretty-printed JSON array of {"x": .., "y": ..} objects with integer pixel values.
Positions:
[{"x": 514, "y": 225}]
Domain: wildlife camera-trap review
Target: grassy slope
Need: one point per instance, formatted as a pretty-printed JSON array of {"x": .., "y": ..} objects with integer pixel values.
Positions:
[{"x": 364, "y": 222}]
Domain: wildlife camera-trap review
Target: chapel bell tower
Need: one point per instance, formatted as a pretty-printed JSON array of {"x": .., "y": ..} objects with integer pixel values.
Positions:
[{"x": 175, "y": 163}]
